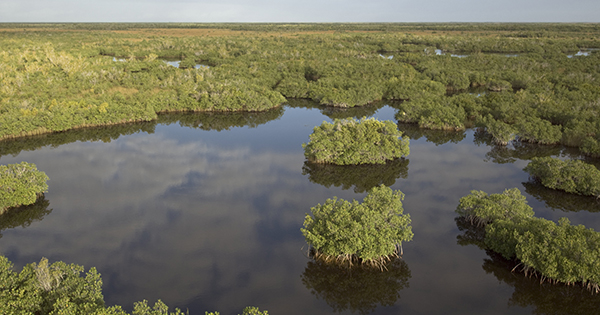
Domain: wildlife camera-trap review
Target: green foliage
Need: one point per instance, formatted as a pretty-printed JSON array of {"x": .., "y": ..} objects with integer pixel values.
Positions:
[
  {"x": 160, "y": 308},
  {"x": 560, "y": 253},
  {"x": 64, "y": 81},
  {"x": 407, "y": 90},
  {"x": 248, "y": 310},
  {"x": 187, "y": 63},
  {"x": 572, "y": 176},
  {"x": 438, "y": 137},
  {"x": 538, "y": 130},
  {"x": 350, "y": 141},
  {"x": 481, "y": 208},
  {"x": 60, "y": 289},
  {"x": 370, "y": 232},
  {"x": 501, "y": 132},
  {"x": 47, "y": 288},
  {"x": 20, "y": 184},
  {"x": 439, "y": 113}
]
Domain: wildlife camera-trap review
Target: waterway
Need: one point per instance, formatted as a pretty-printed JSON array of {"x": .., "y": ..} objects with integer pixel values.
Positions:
[{"x": 204, "y": 212}]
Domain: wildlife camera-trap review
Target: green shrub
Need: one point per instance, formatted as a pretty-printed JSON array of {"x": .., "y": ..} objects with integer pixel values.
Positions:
[
  {"x": 481, "y": 208},
  {"x": 558, "y": 253},
  {"x": 536, "y": 130},
  {"x": 20, "y": 184},
  {"x": 501, "y": 132},
  {"x": 60, "y": 289},
  {"x": 561, "y": 253},
  {"x": 573, "y": 176},
  {"x": 370, "y": 232},
  {"x": 350, "y": 141},
  {"x": 45, "y": 288}
]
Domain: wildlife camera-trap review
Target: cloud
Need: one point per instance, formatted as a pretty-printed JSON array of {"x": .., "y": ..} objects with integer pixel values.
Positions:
[{"x": 298, "y": 11}]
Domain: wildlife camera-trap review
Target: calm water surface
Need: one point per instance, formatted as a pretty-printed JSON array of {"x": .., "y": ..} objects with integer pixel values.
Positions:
[{"x": 204, "y": 212}]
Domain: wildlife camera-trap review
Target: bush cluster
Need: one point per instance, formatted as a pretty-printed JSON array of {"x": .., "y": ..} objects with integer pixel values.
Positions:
[
  {"x": 20, "y": 184},
  {"x": 61, "y": 289},
  {"x": 350, "y": 141},
  {"x": 530, "y": 84},
  {"x": 559, "y": 253},
  {"x": 572, "y": 176},
  {"x": 370, "y": 232}
]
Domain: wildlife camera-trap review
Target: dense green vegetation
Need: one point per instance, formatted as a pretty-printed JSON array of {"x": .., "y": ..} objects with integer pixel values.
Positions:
[
  {"x": 518, "y": 83},
  {"x": 530, "y": 85},
  {"x": 370, "y": 232},
  {"x": 481, "y": 209},
  {"x": 20, "y": 184},
  {"x": 350, "y": 141},
  {"x": 558, "y": 253},
  {"x": 572, "y": 176},
  {"x": 61, "y": 289}
]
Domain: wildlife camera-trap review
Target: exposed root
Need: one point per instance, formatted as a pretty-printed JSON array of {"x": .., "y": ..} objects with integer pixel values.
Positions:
[{"x": 352, "y": 260}]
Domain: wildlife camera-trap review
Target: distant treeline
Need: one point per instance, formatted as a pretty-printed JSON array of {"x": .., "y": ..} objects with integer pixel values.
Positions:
[
  {"x": 534, "y": 28},
  {"x": 513, "y": 81}
]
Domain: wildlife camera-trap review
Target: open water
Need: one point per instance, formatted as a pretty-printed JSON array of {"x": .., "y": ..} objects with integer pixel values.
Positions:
[{"x": 204, "y": 212}]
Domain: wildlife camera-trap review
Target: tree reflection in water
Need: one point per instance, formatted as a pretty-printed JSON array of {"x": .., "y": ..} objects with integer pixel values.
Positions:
[
  {"x": 358, "y": 289},
  {"x": 437, "y": 137},
  {"x": 362, "y": 177},
  {"x": 332, "y": 112},
  {"x": 545, "y": 298},
  {"x": 561, "y": 200},
  {"x": 197, "y": 120},
  {"x": 23, "y": 216}
]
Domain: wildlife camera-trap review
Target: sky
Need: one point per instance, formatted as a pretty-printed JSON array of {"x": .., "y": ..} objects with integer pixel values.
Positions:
[{"x": 299, "y": 11}]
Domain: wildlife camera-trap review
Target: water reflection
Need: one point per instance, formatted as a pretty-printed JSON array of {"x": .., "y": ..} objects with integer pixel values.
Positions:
[
  {"x": 199, "y": 120},
  {"x": 210, "y": 220},
  {"x": 471, "y": 234},
  {"x": 24, "y": 216},
  {"x": 221, "y": 120},
  {"x": 358, "y": 289},
  {"x": 438, "y": 137},
  {"x": 545, "y": 298},
  {"x": 175, "y": 63},
  {"x": 518, "y": 150},
  {"x": 105, "y": 134},
  {"x": 361, "y": 177},
  {"x": 338, "y": 112},
  {"x": 561, "y": 200},
  {"x": 584, "y": 52}
]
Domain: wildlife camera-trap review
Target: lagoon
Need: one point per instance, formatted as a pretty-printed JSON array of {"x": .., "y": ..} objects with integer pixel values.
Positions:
[{"x": 204, "y": 212}]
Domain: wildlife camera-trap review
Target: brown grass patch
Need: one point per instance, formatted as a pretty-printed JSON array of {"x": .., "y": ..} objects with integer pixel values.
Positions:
[{"x": 123, "y": 90}]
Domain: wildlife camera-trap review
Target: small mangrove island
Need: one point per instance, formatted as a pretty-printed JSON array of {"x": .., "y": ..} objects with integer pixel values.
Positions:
[
  {"x": 20, "y": 185},
  {"x": 368, "y": 233},
  {"x": 557, "y": 253},
  {"x": 572, "y": 176},
  {"x": 351, "y": 141}
]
